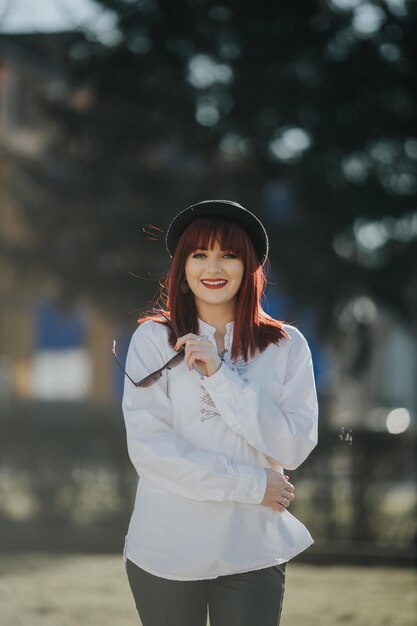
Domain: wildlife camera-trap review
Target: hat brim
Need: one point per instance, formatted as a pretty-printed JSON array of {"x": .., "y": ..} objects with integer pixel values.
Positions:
[{"x": 220, "y": 208}]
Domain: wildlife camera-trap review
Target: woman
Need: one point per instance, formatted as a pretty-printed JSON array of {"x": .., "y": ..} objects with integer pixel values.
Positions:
[{"x": 225, "y": 400}]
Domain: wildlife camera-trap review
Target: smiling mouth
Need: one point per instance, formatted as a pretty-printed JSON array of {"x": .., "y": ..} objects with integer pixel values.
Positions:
[{"x": 214, "y": 284}]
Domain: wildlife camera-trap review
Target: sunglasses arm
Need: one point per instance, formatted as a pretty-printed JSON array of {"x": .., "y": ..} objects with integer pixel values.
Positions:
[{"x": 121, "y": 366}]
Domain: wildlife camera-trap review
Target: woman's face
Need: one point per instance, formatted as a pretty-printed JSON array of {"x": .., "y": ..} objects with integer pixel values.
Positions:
[{"x": 214, "y": 275}]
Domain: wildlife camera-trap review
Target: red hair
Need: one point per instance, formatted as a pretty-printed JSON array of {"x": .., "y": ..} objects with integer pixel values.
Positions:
[{"x": 253, "y": 328}]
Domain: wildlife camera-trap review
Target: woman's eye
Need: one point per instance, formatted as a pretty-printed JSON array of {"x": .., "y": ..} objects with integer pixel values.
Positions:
[{"x": 201, "y": 254}]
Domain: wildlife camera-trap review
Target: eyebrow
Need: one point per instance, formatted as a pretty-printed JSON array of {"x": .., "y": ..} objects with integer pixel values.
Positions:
[{"x": 206, "y": 249}]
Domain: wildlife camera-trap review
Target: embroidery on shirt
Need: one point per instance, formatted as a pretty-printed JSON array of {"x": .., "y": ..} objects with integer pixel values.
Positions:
[
  {"x": 240, "y": 367},
  {"x": 207, "y": 413}
]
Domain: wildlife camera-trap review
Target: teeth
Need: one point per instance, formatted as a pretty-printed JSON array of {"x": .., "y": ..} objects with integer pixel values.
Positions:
[{"x": 214, "y": 282}]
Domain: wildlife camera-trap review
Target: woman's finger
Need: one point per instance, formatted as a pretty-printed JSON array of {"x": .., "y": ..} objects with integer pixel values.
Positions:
[
  {"x": 196, "y": 353},
  {"x": 196, "y": 356},
  {"x": 287, "y": 478},
  {"x": 182, "y": 340},
  {"x": 192, "y": 345},
  {"x": 286, "y": 493},
  {"x": 194, "y": 349}
]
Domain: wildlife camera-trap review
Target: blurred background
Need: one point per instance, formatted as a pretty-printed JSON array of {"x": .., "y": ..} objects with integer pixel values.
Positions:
[{"x": 117, "y": 114}]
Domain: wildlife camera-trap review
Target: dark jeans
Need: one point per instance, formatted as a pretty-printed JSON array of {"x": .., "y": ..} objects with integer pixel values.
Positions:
[{"x": 247, "y": 599}]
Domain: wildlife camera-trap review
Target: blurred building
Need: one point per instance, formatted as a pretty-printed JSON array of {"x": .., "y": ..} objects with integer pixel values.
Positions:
[
  {"x": 375, "y": 370},
  {"x": 370, "y": 368},
  {"x": 59, "y": 360},
  {"x": 45, "y": 353}
]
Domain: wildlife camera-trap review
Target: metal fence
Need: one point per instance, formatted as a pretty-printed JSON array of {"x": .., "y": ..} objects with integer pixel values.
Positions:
[{"x": 67, "y": 484}]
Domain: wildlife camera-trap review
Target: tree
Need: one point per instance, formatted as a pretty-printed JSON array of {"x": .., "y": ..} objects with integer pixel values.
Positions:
[{"x": 304, "y": 113}]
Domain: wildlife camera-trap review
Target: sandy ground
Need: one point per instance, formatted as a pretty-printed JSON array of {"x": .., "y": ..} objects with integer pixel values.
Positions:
[{"x": 79, "y": 590}]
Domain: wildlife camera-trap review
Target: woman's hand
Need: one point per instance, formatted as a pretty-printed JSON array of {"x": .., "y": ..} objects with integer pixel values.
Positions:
[
  {"x": 201, "y": 352},
  {"x": 277, "y": 488}
]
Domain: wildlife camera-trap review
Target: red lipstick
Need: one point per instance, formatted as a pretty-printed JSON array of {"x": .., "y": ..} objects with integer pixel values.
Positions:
[{"x": 214, "y": 283}]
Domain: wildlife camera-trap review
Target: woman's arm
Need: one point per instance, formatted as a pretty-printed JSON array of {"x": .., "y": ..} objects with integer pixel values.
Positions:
[
  {"x": 163, "y": 457},
  {"x": 284, "y": 430}
]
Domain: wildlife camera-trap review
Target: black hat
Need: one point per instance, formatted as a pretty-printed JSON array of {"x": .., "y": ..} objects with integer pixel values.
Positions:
[{"x": 220, "y": 208}]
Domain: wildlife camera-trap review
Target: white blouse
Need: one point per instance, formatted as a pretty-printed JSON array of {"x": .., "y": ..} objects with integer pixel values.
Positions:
[{"x": 200, "y": 445}]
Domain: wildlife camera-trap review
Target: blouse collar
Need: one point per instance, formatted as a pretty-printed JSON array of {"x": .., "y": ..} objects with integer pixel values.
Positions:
[{"x": 203, "y": 326}]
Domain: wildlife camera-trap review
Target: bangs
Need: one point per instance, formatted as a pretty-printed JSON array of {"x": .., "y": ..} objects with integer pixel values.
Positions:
[
  {"x": 203, "y": 232},
  {"x": 254, "y": 329}
]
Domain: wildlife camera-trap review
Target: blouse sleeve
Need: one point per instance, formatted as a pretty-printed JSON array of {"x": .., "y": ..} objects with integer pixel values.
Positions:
[
  {"x": 159, "y": 454},
  {"x": 284, "y": 428}
]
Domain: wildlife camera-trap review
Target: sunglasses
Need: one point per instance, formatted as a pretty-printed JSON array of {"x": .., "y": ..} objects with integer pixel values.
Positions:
[{"x": 155, "y": 376}]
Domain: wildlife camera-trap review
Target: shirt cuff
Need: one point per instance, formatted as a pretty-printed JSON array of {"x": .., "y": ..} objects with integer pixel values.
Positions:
[
  {"x": 252, "y": 486},
  {"x": 220, "y": 379}
]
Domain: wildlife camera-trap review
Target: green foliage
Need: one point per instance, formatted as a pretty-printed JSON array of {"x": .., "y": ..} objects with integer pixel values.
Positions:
[
  {"x": 68, "y": 484},
  {"x": 303, "y": 112}
]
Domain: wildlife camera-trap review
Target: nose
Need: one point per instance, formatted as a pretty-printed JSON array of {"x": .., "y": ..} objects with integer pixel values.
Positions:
[{"x": 213, "y": 265}]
